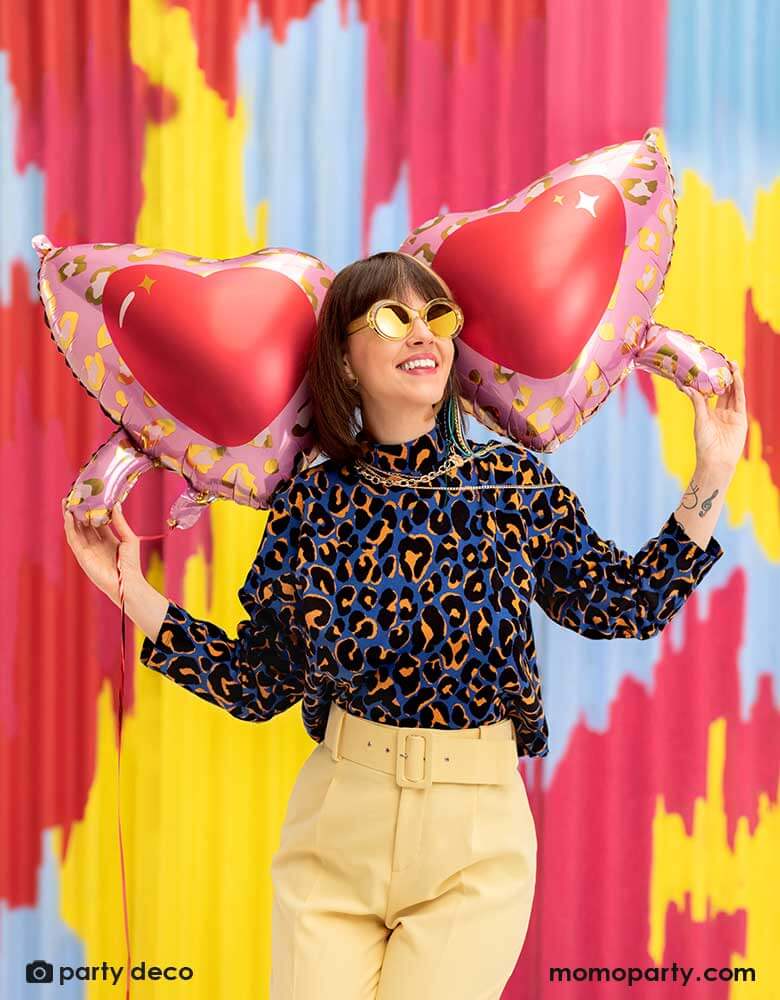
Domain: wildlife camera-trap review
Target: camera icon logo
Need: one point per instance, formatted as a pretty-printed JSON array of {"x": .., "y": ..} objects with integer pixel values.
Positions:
[{"x": 40, "y": 972}]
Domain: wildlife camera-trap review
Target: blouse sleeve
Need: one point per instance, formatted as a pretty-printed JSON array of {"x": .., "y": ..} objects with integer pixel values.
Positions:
[
  {"x": 258, "y": 674},
  {"x": 589, "y": 585}
]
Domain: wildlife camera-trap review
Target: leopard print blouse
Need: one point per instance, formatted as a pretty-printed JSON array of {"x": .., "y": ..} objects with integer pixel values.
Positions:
[{"x": 411, "y": 607}]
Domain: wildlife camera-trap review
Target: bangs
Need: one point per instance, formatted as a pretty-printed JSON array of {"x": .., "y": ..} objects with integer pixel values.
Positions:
[
  {"x": 384, "y": 276},
  {"x": 412, "y": 277}
]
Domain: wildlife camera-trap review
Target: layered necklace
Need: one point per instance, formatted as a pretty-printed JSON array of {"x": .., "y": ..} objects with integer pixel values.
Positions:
[{"x": 459, "y": 451}]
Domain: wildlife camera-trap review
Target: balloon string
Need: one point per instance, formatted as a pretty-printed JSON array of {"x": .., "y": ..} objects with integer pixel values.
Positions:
[{"x": 119, "y": 749}]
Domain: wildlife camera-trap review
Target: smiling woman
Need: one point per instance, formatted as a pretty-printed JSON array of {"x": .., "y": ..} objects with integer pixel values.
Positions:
[
  {"x": 390, "y": 596},
  {"x": 381, "y": 314}
]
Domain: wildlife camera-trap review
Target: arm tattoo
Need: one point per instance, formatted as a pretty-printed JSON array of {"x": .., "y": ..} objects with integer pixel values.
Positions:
[{"x": 691, "y": 495}]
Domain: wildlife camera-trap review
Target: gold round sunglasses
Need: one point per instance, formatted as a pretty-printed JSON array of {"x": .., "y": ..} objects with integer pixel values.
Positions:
[{"x": 393, "y": 320}]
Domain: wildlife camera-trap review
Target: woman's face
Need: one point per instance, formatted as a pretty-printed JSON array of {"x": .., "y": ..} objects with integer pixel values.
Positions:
[{"x": 374, "y": 360}]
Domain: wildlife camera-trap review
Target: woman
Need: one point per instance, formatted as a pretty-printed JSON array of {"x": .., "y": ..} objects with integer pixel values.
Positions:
[{"x": 390, "y": 596}]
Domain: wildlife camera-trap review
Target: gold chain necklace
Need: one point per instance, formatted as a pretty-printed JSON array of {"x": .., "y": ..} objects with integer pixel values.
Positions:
[{"x": 382, "y": 477}]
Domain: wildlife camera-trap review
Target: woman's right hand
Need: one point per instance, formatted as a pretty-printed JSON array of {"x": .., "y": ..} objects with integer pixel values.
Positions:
[{"x": 95, "y": 550}]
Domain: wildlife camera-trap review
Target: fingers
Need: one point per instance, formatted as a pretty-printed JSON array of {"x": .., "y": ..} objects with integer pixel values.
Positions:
[
  {"x": 80, "y": 535},
  {"x": 739, "y": 387},
  {"x": 689, "y": 391},
  {"x": 695, "y": 397},
  {"x": 119, "y": 521},
  {"x": 68, "y": 521},
  {"x": 106, "y": 535},
  {"x": 725, "y": 399},
  {"x": 734, "y": 396},
  {"x": 74, "y": 532}
]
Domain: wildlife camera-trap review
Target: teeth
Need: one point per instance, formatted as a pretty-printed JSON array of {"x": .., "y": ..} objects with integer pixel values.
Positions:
[{"x": 425, "y": 363}]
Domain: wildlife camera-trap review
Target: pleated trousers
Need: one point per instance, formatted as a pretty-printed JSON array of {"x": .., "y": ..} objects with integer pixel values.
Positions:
[{"x": 406, "y": 867}]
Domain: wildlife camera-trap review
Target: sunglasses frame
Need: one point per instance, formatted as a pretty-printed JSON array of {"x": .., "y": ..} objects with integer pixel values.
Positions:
[{"x": 368, "y": 319}]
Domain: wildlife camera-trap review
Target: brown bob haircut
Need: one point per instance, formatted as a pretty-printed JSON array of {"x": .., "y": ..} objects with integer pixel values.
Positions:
[{"x": 382, "y": 275}]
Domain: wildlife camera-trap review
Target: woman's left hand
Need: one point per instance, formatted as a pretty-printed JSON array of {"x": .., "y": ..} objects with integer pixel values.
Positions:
[{"x": 720, "y": 431}]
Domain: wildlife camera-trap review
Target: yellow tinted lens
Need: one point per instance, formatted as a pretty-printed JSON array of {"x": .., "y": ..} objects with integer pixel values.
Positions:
[
  {"x": 442, "y": 319},
  {"x": 393, "y": 321}
]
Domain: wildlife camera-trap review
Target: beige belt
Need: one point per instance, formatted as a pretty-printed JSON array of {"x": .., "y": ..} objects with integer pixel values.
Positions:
[{"x": 417, "y": 757}]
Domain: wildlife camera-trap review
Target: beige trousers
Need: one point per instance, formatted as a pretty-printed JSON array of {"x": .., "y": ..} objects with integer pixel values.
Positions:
[{"x": 406, "y": 868}]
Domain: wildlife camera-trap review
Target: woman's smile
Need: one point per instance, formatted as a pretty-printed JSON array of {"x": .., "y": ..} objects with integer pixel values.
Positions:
[
  {"x": 419, "y": 364},
  {"x": 420, "y": 370}
]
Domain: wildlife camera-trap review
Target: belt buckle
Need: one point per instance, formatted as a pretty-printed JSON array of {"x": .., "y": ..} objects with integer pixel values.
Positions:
[{"x": 402, "y": 756}]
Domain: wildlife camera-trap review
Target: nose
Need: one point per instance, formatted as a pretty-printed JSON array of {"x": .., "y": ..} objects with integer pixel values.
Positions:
[{"x": 420, "y": 331}]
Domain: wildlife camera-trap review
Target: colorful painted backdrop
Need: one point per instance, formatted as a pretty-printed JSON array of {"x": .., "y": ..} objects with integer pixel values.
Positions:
[{"x": 221, "y": 126}]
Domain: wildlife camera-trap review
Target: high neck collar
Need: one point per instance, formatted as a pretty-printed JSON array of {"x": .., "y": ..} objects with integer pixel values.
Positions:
[{"x": 420, "y": 454}]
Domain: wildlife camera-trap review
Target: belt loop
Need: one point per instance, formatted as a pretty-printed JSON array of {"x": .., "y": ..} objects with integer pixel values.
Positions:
[{"x": 334, "y": 752}]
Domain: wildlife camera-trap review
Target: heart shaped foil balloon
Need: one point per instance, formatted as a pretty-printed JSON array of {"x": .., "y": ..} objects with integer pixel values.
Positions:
[
  {"x": 200, "y": 361},
  {"x": 558, "y": 284}
]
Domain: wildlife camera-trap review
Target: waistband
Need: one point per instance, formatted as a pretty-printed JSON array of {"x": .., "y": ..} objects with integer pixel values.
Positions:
[{"x": 484, "y": 755}]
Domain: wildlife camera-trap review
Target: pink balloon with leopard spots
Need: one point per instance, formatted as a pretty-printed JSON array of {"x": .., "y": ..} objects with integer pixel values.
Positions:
[
  {"x": 558, "y": 284},
  {"x": 200, "y": 361}
]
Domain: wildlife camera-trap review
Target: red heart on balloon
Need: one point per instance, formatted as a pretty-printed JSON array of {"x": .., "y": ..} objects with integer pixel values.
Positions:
[
  {"x": 208, "y": 348},
  {"x": 546, "y": 272}
]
